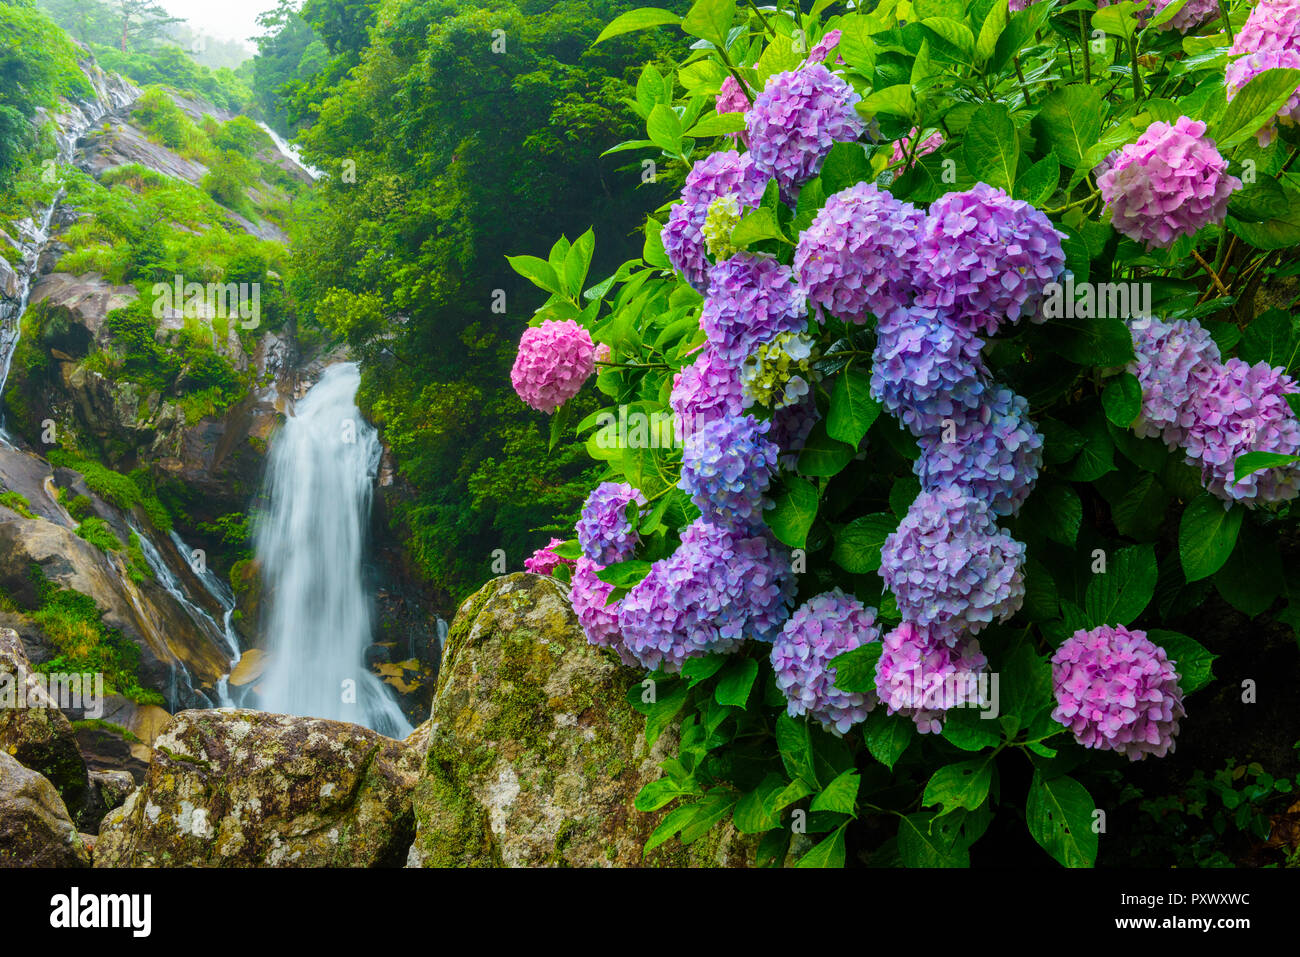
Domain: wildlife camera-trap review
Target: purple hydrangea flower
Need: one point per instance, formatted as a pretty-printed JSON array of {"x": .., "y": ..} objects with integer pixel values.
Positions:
[
  {"x": 992, "y": 452},
  {"x": 821, "y": 628},
  {"x": 1117, "y": 691},
  {"x": 859, "y": 253},
  {"x": 925, "y": 369},
  {"x": 1244, "y": 69},
  {"x": 1244, "y": 409},
  {"x": 544, "y": 561},
  {"x": 950, "y": 566},
  {"x": 727, "y": 465},
  {"x": 553, "y": 362},
  {"x": 604, "y": 532},
  {"x": 726, "y": 173},
  {"x": 719, "y": 588},
  {"x": 1172, "y": 182},
  {"x": 923, "y": 672},
  {"x": 1191, "y": 16},
  {"x": 706, "y": 390},
  {"x": 751, "y": 300},
  {"x": 1174, "y": 363},
  {"x": 587, "y": 595},
  {"x": 796, "y": 120},
  {"x": 985, "y": 258}
]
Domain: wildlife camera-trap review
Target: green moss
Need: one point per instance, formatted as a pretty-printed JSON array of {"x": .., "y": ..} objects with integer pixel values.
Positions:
[
  {"x": 17, "y": 502},
  {"x": 121, "y": 490},
  {"x": 100, "y": 534},
  {"x": 101, "y": 725}
]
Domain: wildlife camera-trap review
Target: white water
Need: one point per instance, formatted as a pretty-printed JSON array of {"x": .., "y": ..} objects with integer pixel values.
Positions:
[
  {"x": 310, "y": 546},
  {"x": 289, "y": 150}
]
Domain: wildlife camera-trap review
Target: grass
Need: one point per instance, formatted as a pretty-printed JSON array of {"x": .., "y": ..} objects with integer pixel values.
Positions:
[
  {"x": 100, "y": 534},
  {"x": 17, "y": 502}
]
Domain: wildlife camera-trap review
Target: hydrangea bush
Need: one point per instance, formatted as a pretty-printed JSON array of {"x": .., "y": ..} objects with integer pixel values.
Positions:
[{"x": 964, "y": 389}]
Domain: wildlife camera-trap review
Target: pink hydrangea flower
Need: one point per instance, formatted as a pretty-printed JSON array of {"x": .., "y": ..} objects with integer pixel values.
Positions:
[
  {"x": 554, "y": 360},
  {"x": 544, "y": 561},
  {"x": 1244, "y": 69},
  {"x": 1272, "y": 25},
  {"x": 926, "y": 147},
  {"x": 1172, "y": 182},
  {"x": 1117, "y": 691},
  {"x": 925, "y": 671},
  {"x": 1191, "y": 16}
]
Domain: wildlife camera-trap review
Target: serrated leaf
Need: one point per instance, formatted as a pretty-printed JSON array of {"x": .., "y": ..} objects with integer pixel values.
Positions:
[
  {"x": 887, "y": 736},
  {"x": 1123, "y": 591},
  {"x": 823, "y": 456},
  {"x": 992, "y": 150},
  {"x": 858, "y": 544},
  {"x": 840, "y": 796},
  {"x": 853, "y": 410},
  {"x": 736, "y": 682},
  {"x": 1206, "y": 536},
  {"x": 1194, "y": 664},
  {"x": 855, "y": 670},
  {"x": 642, "y": 18},
  {"x": 1059, "y": 814},
  {"x": 793, "y": 511},
  {"x": 961, "y": 785}
]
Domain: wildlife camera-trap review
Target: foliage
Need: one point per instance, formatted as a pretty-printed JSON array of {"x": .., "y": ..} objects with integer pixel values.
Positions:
[
  {"x": 1025, "y": 103},
  {"x": 100, "y": 534},
  {"x": 17, "y": 502}
]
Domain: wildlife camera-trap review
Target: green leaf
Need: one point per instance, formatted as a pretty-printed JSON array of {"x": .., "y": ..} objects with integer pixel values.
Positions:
[
  {"x": 1252, "y": 578},
  {"x": 717, "y": 124},
  {"x": 961, "y": 785},
  {"x": 823, "y": 456},
  {"x": 1120, "y": 19},
  {"x": 855, "y": 670},
  {"x": 1194, "y": 664},
  {"x": 966, "y": 728},
  {"x": 695, "y": 670},
  {"x": 753, "y": 814},
  {"x": 658, "y": 793},
  {"x": 641, "y": 18},
  {"x": 736, "y": 682},
  {"x": 1122, "y": 400},
  {"x": 1055, "y": 510},
  {"x": 1123, "y": 592},
  {"x": 757, "y": 226},
  {"x": 1037, "y": 184},
  {"x": 894, "y": 100},
  {"x": 711, "y": 809},
  {"x": 922, "y": 844},
  {"x": 559, "y": 424},
  {"x": 537, "y": 271},
  {"x": 840, "y": 796},
  {"x": 845, "y": 165},
  {"x": 887, "y": 736},
  {"x": 1206, "y": 536},
  {"x": 1070, "y": 121},
  {"x": 1270, "y": 338},
  {"x": 577, "y": 262},
  {"x": 1252, "y": 462},
  {"x": 710, "y": 20},
  {"x": 1092, "y": 342},
  {"x": 1097, "y": 457},
  {"x": 795, "y": 745},
  {"x": 992, "y": 150},
  {"x": 858, "y": 544},
  {"x": 828, "y": 853},
  {"x": 1254, "y": 105},
  {"x": 1059, "y": 815},
  {"x": 853, "y": 410},
  {"x": 661, "y": 712},
  {"x": 1279, "y": 225},
  {"x": 793, "y": 511},
  {"x": 995, "y": 21},
  {"x": 665, "y": 128},
  {"x": 625, "y": 574}
]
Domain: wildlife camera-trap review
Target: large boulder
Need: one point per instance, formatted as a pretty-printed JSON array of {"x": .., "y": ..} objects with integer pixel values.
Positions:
[
  {"x": 235, "y": 788},
  {"x": 34, "y": 731},
  {"x": 35, "y": 829},
  {"x": 534, "y": 757}
]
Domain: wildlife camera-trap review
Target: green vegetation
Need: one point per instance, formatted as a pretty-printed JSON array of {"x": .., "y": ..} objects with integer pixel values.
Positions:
[
  {"x": 100, "y": 534},
  {"x": 124, "y": 491},
  {"x": 17, "y": 502}
]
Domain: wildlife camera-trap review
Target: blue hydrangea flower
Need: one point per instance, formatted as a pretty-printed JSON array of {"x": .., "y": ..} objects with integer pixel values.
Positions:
[
  {"x": 751, "y": 300},
  {"x": 727, "y": 465},
  {"x": 605, "y": 534}
]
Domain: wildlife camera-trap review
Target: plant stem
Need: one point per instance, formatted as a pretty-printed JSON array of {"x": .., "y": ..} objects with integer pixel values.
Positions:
[
  {"x": 1078, "y": 202},
  {"x": 1087, "y": 56},
  {"x": 1137, "y": 74},
  {"x": 1029, "y": 101},
  {"x": 1214, "y": 276},
  {"x": 1227, "y": 21},
  {"x": 767, "y": 27}
]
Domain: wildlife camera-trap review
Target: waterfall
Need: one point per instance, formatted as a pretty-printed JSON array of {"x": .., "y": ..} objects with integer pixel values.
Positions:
[
  {"x": 310, "y": 546},
  {"x": 289, "y": 150}
]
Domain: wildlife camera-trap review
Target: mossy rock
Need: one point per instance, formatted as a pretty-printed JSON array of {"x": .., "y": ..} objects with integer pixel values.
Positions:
[
  {"x": 35, "y": 829},
  {"x": 237, "y": 788},
  {"x": 534, "y": 757}
]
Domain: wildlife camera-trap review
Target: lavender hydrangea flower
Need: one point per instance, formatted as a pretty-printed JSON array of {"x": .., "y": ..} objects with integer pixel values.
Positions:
[
  {"x": 925, "y": 369},
  {"x": 992, "y": 452},
  {"x": 1244, "y": 69},
  {"x": 726, "y": 173},
  {"x": 604, "y": 532},
  {"x": 1173, "y": 362},
  {"x": 706, "y": 390},
  {"x": 1244, "y": 409},
  {"x": 727, "y": 465},
  {"x": 796, "y": 120},
  {"x": 1172, "y": 182},
  {"x": 719, "y": 588},
  {"x": 1191, "y": 16},
  {"x": 826, "y": 625},
  {"x": 986, "y": 258},
  {"x": 1117, "y": 691},
  {"x": 950, "y": 566},
  {"x": 859, "y": 253},
  {"x": 587, "y": 595},
  {"x": 544, "y": 561},
  {"x": 752, "y": 299},
  {"x": 923, "y": 672}
]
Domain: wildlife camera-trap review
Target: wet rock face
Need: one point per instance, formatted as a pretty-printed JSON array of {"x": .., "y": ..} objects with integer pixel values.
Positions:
[
  {"x": 35, "y": 829},
  {"x": 246, "y": 788}
]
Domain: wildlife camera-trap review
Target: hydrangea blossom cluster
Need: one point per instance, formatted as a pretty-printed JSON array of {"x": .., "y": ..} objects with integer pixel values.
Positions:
[
  {"x": 776, "y": 374},
  {"x": 588, "y": 595},
  {"x": 553, "y": 362},
  {"x": 1172, "y": 182},
  {"x": 719, "y": 588},
  {"x": 859, "y": 253},
  {"x": 723, "y": 216},
  {"x": 826, "y": 625},
  {"x": 1244, "y": 69},
  {"x": 731, "y": 98},
  {"x": 950, "y": 566},
  {"x": 727, "y": 465},
  {"x": 1272, "y": 25},
  {"x": 1173, "y": 362},
  {"x": 924, "y": 148},
  {"x": 796, "y": 120},
  {"x": 823, "y": 47},
  {"x": 604, "y": 533},
  {"x": 751, "y": 300},
  {"x": 727, "y": 173},
  {"x": 544, "y": 561},
  {"x": 1191, "y": 16},
  {"x": 1217, "y": 411},
  {"x": 706, "y": 390},
  {"x": 992, "y": 452},
  {"x": 922, "y": 673},
  {"x": 925, "y": 370},
  {"x": 987, "y": 258},
  {"x": 1117, "y": 691}
]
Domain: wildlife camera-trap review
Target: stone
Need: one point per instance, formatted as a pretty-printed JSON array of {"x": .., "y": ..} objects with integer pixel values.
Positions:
[
  {"x": 236, "y": 788},
  {"x": 35, "y": 829}
]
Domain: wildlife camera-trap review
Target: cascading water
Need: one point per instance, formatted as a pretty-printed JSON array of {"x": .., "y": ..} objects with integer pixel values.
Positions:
[
  {"x": 289, "y": 150},
  {"x": 310, "y": 546}
]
